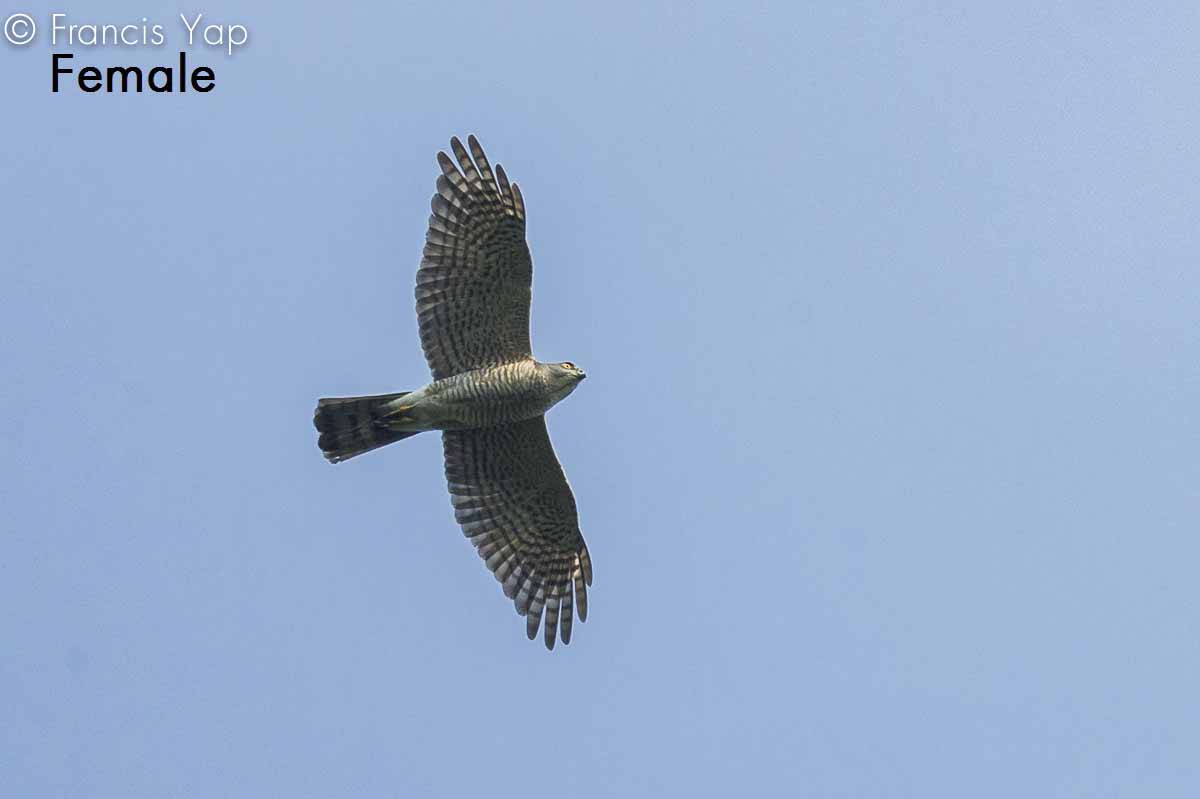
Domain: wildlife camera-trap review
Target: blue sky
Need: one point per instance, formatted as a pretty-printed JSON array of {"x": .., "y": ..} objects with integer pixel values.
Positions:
[{"x": 886, "y": 460}]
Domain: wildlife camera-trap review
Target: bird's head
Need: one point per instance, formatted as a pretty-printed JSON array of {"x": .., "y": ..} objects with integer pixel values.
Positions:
[
  {"x": 565, "y": 375},
  {"x": 570, "y": 371}
]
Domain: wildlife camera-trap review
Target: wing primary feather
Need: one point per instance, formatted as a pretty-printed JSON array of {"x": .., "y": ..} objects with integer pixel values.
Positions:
[
  {"x": 509, "y": 586},
  {"x": 449, "y": 192},
  {"x": 447, "y": 165},
  {"x": 580, "y": 591},
  {"x": 521, "y": 600},
  {"x": 518, "y": 201},
  {"x": 505, "y": 189},
  {"x": 567, "y": 610},
  {"x": 465, "y": 162},
  {"x": 585, "y": 560},
  {"x": 533, "y": 618},
  {"x": 551, "y": 616},
  {"x": 481, "y": 161}
]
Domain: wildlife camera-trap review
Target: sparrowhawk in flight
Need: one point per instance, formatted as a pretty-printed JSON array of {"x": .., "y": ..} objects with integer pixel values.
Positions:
[{"x": 488, "y": 396}]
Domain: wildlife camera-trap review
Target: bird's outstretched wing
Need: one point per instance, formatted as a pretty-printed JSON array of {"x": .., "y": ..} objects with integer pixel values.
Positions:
[
  {"x": 512, "y": 499},
  {"x": 473, "y": 283}
]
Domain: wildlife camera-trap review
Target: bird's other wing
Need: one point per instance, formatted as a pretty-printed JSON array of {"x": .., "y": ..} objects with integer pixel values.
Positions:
[
  {"x": 473, "y": 286},
  {"x": 512, "y": 499}
]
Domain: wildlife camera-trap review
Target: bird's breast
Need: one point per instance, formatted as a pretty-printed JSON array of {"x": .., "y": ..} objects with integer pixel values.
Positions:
[{"x": 491, "y": 396}]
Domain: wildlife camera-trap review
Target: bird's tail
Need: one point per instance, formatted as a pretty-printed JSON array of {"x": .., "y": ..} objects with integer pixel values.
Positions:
[{"x": 350, "y": 426}]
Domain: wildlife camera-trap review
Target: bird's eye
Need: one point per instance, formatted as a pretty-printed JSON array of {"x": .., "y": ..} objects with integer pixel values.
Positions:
[{"x": 567, "y": 365}]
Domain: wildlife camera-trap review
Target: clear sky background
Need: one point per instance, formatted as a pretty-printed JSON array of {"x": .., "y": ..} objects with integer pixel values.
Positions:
[{"x": 887, "y": 460}]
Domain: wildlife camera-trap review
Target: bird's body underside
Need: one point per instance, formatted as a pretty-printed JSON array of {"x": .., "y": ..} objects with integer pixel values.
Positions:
[
  {"x": 488, "y": 397},
  {"x": 494, "y": 395}
]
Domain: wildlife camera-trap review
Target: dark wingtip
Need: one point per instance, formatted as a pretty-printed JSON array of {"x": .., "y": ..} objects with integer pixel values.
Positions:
[{"x": 445, "y": 163}]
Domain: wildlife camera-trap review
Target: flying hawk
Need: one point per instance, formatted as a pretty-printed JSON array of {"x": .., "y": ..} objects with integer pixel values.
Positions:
[{"x": 488, "y": 396}]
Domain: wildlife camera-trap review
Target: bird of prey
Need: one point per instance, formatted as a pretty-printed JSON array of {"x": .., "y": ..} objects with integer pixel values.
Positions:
[{"x": 488, "y": 396}]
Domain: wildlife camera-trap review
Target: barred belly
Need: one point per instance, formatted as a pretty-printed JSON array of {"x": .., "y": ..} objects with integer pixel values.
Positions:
[{"x": 490, "y": 396}]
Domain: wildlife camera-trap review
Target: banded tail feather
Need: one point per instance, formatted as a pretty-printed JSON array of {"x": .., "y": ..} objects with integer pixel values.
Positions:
[{"x": 350, "y": 426}]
